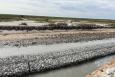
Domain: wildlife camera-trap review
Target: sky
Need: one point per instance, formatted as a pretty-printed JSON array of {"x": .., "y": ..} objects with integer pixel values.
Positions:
[{"x": 101, "y": 9}]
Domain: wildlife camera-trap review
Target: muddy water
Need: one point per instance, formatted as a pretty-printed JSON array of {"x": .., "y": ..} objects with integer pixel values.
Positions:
[
  {"x": 41, "y": 49},
  {"x": 78, "y": 70}
]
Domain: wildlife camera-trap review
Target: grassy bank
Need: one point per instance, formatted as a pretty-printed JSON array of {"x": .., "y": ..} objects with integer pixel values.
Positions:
[{"x": 113, "y": 25}]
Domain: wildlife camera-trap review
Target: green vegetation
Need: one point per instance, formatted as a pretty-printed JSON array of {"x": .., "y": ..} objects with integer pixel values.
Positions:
[
  {"x": 8, "y": 17},
  {"x": 113, "y": 25},
  {"x": 4, "y": 17},
  {"x": 24, "y": 24}
]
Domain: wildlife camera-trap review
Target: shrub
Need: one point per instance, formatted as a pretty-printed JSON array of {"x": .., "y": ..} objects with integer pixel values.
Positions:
[
  {"x": 113, "y": 25},
  {"x": 23, "y": 23}
]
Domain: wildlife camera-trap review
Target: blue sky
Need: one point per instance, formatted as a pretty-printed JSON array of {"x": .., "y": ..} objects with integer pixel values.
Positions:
[{"x": 67, "y": 8}]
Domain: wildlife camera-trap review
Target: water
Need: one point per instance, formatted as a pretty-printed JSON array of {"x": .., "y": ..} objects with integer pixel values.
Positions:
[
  {"x": 76, "y": 71},
  {"x": 41, "y": 49}
]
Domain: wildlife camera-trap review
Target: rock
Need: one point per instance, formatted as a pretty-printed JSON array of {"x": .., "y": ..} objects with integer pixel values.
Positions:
[{"x": 107, "y": 70}]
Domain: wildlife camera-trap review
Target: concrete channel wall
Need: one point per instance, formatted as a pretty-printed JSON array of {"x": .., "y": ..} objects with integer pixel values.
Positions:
[{"x": 19, "y": 65}]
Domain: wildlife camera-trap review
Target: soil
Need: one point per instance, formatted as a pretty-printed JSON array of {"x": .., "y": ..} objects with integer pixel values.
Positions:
[{"x": 107, "y": 70}]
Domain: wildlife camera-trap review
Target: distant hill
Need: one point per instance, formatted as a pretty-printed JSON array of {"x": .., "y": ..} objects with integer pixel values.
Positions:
[{"x": 11, "y": 17}]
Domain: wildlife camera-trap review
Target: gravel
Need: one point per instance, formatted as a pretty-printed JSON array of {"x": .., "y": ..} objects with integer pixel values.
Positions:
[{"x": 19, "y": 65}]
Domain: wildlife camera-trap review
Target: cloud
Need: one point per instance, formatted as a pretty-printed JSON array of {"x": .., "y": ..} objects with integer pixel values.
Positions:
[{"x": 68, "y": 8}]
